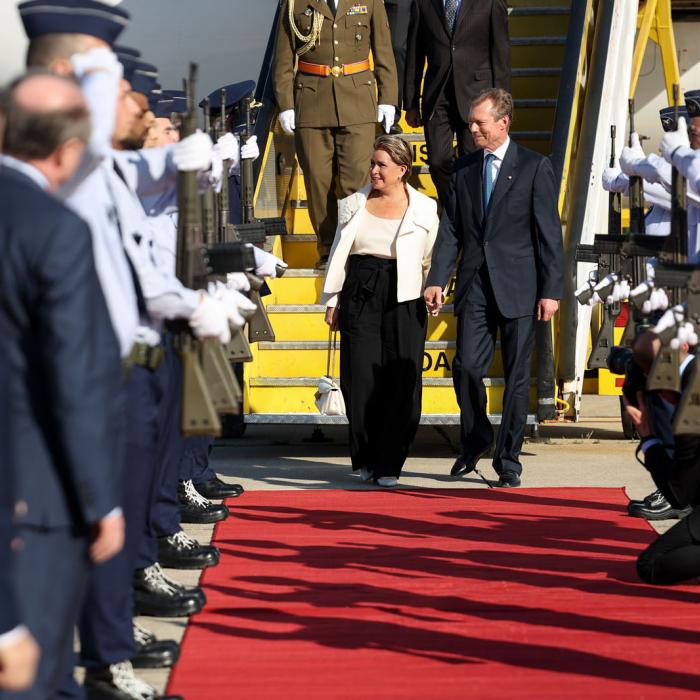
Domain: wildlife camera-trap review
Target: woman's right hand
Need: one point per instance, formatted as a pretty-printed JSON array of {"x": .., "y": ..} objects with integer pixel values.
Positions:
[{"x": 332, "y": 317}]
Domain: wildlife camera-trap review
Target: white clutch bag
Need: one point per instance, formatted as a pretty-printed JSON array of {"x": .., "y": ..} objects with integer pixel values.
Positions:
[{"x": 329, "y": 398}]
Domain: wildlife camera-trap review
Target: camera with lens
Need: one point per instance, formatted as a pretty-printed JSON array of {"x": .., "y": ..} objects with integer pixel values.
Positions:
[{"x": 621, "y": 361}]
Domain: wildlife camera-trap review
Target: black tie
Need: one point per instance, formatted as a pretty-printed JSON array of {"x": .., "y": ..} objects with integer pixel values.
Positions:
[
  {"x": 331, "y": 5},
  {"x": 451, "y": 13}
]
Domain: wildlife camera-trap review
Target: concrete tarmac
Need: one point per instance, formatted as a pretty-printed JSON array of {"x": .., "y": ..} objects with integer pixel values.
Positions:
[{"x": 592, "y": 452}]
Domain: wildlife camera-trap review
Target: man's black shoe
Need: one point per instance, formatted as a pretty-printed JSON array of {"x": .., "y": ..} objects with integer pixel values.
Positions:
[
  {"x": 194, "y": 508},
  {"x": 216, "y": 488},
  {"x": 646, "y": 501},
  {"x": 396, "y": 127},
  {"x": 467, "y": 463},
  {"x": 158, "y": 596},
  {"x": 152, "y": 652},
  {"x": 658, "y": 508},
  {"x": 508, "y": 479},
  {"x": 180, "y": 551},
  {"x": 118, "y": 682}
]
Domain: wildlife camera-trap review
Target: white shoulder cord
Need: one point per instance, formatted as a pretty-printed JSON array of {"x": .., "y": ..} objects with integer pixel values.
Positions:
[{"x": 311, "y": 39}]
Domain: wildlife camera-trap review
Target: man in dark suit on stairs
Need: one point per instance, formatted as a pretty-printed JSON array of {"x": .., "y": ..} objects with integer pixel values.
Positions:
[
  {"x": 467, "y": 49},
  {"x": 501, "y": 222}
]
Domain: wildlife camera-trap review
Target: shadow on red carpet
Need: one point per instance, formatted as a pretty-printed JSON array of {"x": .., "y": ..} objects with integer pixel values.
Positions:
[{"x": 437, "y": 594}]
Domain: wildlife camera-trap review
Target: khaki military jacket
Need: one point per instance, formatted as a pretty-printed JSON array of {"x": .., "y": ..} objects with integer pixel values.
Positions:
[{"x": 358, "y": 27}]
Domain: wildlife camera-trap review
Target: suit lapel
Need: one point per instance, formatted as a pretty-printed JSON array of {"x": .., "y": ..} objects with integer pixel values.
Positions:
[
  {"x": 323, "y": 8},
  {"x": 475, "y": 190},
  {"x": 342, "y": 7},
  {"x": 464, "y": 11},
  {"x": 506, "y": 177},
  {"x": 440, "y": 9}
]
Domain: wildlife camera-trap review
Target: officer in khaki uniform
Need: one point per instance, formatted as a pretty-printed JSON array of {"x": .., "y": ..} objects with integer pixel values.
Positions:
[{"x": 330, "y": 99}]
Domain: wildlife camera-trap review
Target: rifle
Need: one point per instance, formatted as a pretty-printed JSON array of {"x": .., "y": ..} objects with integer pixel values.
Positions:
[
  {"x": 685, "y": 277},
  {"x": 207, "y": 386},
  {"x": 664, "y": 374},
  {"x": 636, "y": 188},
  {"x": 614, "y": 198}
]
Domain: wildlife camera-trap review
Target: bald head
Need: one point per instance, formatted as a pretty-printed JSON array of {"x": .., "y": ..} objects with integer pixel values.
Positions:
[{"x": 47, "y": 123}]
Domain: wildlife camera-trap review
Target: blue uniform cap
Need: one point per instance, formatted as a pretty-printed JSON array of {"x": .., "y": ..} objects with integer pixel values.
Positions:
[
  {"x": 41, "y": 17},
  {"x": 119, "y": 49},
  {"x": 668, "y": 117},
  {"x": 174, "y": 93},
  {"x": 142, "y": 76},
  {"x": 692, "y": 103},
  {"x": 234, "y": 94},
  {"x": 164, "y": 108},
  {"x": 179, "y": 105}
]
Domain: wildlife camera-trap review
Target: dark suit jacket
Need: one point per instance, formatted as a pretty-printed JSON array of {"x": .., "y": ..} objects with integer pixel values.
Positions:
[
  {"x": 65, "y": 372},
  {"x": 476, "y": 57},
  {"x": 8, "y": 611},
  {"x": 520, "y": 240}
]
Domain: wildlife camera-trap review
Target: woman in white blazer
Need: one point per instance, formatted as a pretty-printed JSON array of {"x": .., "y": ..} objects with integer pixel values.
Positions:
[{"x": 373, "y": 294}]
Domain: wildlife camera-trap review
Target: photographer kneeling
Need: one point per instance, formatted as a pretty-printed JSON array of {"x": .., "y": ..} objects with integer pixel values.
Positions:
[{"x": 675, "y": 555}]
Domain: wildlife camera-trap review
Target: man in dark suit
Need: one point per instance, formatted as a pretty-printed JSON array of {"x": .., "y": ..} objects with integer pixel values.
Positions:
[
  {"x": 65, "y": 371},
  {"x": 501, "y": 222},
  {"x": 467, "y": 48}
]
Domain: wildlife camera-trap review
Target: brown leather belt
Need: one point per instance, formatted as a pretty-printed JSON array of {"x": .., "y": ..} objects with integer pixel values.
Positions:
[{"x": 335, "y": 71}]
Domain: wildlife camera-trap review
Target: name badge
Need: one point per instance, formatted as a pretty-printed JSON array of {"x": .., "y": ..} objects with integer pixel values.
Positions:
[{"x": 358, "y": 9}]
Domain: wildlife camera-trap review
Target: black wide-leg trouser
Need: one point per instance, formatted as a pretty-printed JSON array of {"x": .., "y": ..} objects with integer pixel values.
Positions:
[{"x": 381, "y": 356}]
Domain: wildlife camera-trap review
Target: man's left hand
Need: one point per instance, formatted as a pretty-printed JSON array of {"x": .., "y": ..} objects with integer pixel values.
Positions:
[{"x": 546, "y": 308}]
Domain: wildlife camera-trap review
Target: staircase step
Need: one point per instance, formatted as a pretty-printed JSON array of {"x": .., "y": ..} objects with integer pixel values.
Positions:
[
  {"x": 318, "y": 419},
  {"x": 524, "y": 21},
  {"x": 538, "y": 10},
  {"x": 264, "y": 395}
]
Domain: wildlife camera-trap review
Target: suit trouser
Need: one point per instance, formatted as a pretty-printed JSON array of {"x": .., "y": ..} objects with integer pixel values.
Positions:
[
  {"x": 477, "y": 324},
  {"x": 194, "y": 464},
  {"x": 50, "y": 573},
  {"x": 399, "y": 14},
  {"x": 106, "y": 631},
  {"x": 335, "y": 161},
  {"x": 443, "y": 126},
  {"x": 381, "y": 357},
  {"x": 163, "y": 516},
  {"x": 674, "y": 556}
]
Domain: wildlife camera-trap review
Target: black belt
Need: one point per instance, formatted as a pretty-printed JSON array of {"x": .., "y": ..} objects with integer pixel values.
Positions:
[{"x": 146, "y": 356}]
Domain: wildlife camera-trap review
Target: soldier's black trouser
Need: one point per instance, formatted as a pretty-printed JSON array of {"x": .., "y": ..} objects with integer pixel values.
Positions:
[
  {"x": 106, "y": 631},
  {"x": 381, "y": 360},
  {"x": 675, "y": 555},
  {"x": 399, "y": 13},
  {"x": 194, "y": 464}
]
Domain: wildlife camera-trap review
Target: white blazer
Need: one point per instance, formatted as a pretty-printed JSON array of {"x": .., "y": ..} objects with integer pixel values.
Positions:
[{"x": 414, "y": 244}]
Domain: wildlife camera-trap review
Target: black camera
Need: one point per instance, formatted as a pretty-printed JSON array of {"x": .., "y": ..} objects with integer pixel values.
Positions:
[{"x": 621, "y": 361}]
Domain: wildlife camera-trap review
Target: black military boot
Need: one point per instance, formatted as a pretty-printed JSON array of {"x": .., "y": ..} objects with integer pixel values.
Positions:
[
  {"x": 216, "y": 488},
  {"x": 157, "y": 595},
  {"x": 194, "y": 508},
  {"x": 657, "y": 508},
  {"x": 152, "y": 652},
  {"x": 180, "y": 551},
  {"x": 118, "y": 682}
]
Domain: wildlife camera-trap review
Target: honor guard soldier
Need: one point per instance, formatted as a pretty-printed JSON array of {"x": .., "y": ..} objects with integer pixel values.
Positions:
[{"x": 330, "y": 99}]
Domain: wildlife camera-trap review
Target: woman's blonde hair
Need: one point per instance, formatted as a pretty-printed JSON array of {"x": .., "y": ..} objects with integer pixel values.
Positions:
[{"x": 398, "y": 150}]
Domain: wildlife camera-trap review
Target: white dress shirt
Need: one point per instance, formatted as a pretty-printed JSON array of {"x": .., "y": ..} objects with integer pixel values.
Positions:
[{"x": 496, "y": 163}]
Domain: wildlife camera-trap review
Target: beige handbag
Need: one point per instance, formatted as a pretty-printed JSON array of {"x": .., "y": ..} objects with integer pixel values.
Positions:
[{"x": 329, "y": 398}]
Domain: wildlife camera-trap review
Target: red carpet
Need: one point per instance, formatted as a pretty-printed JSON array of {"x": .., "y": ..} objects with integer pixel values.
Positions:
[{"x": 437, "y": 594}]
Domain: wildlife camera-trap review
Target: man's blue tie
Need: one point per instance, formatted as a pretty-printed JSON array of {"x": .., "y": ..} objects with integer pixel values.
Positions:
[
  {"x": 488, "y": 180},
  {"x": 451, "y": 13}
]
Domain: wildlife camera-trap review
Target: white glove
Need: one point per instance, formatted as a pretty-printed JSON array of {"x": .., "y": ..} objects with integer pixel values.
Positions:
[
  {"x": 238, "y": 281},
  {"x": 675, "y": 139},
  {"x": 670, "y": 319},
  {"x": 614, "y": 180},
  {"x": 612, "y": 277},
  {"x": 193, "y": 152},
  {"x": 93, "y": 60},
  {"x": 582, "y": 289},
  {"x": 265, "y": 263},
  {"x": 386, "y": 114},
  {"x": 228, "y": 147},
  {"x": 620, "y": 292},
  {"x": 215, "y": 174},
  {"x": 651, "y": 272},
  {"x": 250, "y": 149},
  {"x": 236, "y": 306},
  {"x": 287, "y": 121},
  {"x": 595, "y": 299},
  {"x": 210, "y": 320},
  {"x": 686, "y": 335},
  {"x": 657, "y": 301}
]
